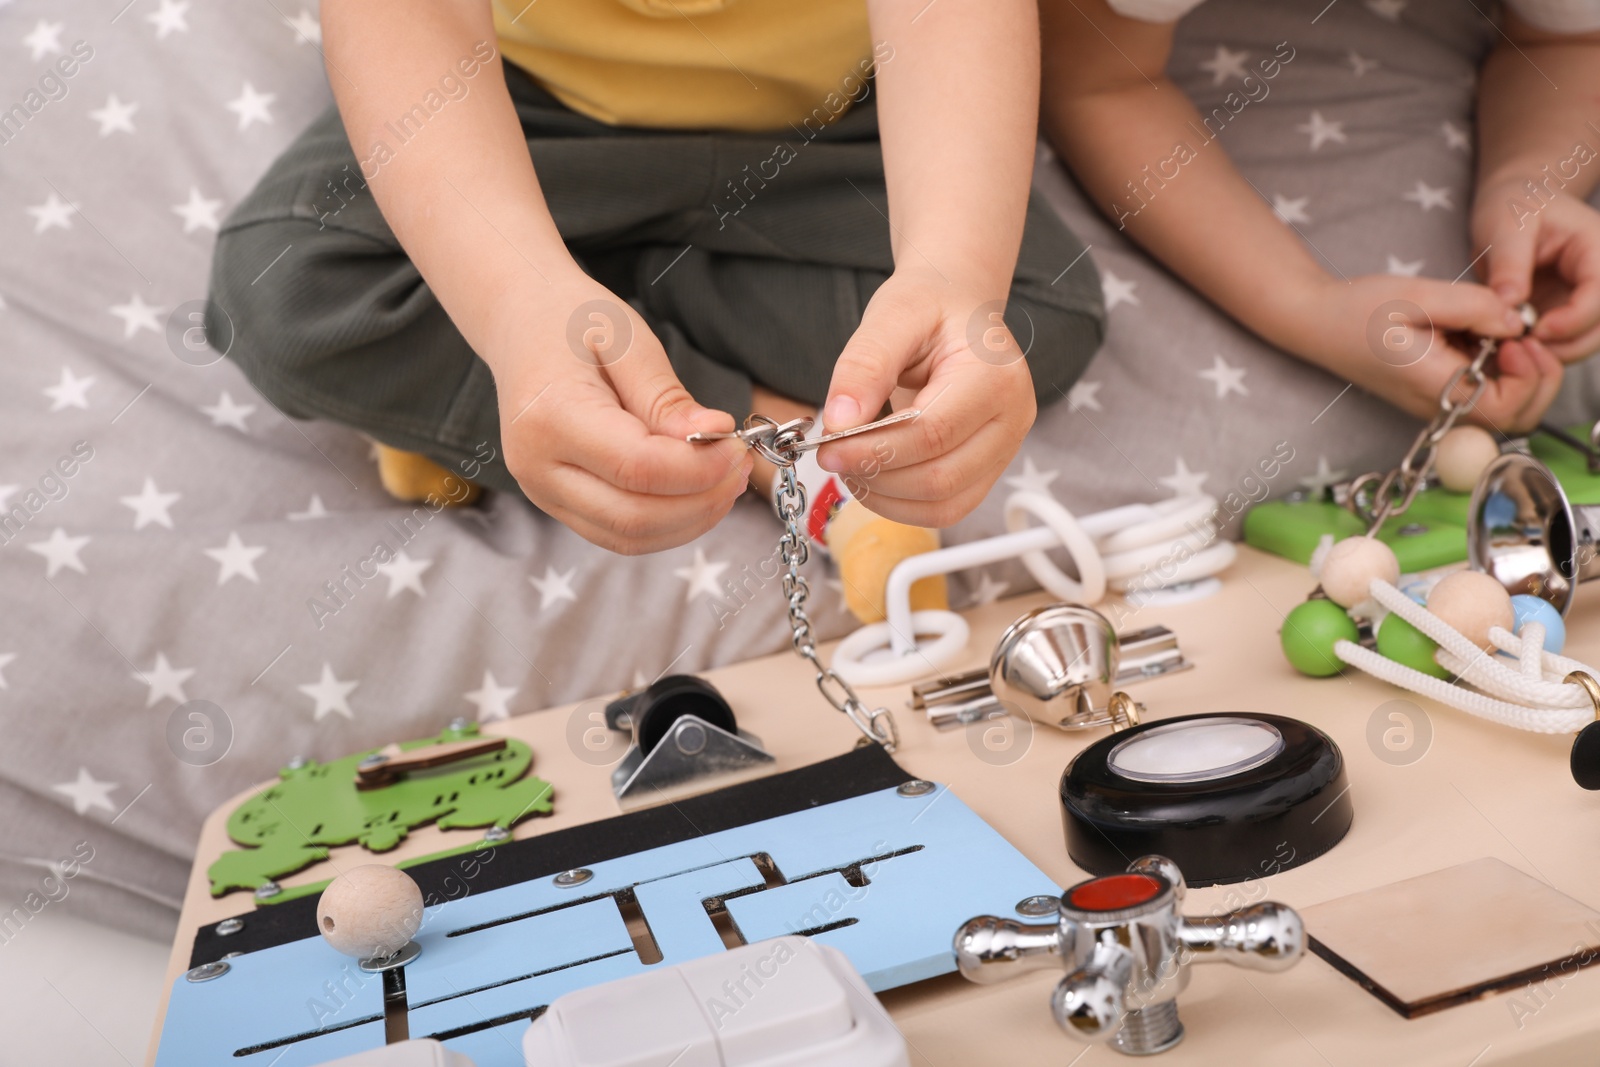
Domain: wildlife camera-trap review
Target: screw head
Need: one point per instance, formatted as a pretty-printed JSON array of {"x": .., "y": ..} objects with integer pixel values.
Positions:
[
  {"x": 374, "y": 760},
  {"x": 495, "y": 834},
  {"x": 576, "y": 876},
  {"x": 268, "y": 890},
  {"x": 1039, "y": 907},
  {"x": 228, "y": 927},
  {"x": 915, "y": 788},
  {"x": 690, "y": 737},
  {"x": 207, "y": 971}
]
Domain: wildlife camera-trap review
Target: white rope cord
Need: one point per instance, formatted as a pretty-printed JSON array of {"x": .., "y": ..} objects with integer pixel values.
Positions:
[
  {"x": 1529, "y": 660},
  {"x": 1463, "y": 657},
  {"x": 1524, "y": 697},
  {"x": 1468, "y": 700},
  {"x": 1553, "y": 663}
]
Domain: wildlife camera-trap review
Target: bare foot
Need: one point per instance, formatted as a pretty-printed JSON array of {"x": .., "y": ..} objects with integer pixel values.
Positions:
[{"x": 764, "y": 476}]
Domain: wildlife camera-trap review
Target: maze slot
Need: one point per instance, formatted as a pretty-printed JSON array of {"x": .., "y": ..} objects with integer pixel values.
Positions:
[
  {"x": 307, "y": 1035},
  {"x": 644, "y": 941}
]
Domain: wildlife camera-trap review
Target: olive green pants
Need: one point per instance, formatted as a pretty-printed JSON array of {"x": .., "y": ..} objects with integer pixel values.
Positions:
[{"x": 751, "y": 256}]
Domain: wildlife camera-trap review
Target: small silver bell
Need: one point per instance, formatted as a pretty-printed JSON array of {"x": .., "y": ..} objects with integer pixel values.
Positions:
[{"x": 1058, "y": 663}]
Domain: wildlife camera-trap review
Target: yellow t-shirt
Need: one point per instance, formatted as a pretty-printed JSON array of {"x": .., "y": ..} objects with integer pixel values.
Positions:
[{"x": 707, "y": 64}]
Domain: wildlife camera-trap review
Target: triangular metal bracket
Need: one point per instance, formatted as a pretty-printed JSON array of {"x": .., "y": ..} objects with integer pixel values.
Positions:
[{"x": 693, "y": 754}]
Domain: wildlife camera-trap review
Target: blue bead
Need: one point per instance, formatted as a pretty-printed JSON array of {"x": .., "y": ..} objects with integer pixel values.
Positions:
[{"x": 1536, "y": 609}]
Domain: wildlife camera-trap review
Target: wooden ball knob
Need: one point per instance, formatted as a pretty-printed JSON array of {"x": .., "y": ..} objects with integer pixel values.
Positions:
[
  {"x": 1471, "y": 602},
  {"x": 370, "y": 912},
  {"x": 1463, "y": 454},
  {"x": 1350, "y": 566}
]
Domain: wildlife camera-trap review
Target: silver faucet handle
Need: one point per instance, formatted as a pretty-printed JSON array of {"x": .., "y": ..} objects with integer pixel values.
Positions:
[
  {"x": 1262, "y": 937},
  {"x": 1127, "y": 949},
  {"x": 1164, "y": 868},
  {"x": 1089, "y": 1002},
  {"x": 990, "y": 949}
]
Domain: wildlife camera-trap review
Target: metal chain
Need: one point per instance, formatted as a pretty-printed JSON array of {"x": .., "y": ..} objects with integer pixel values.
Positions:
[
  {"x": 794, "y": 548},
  {"x": 1392, "y": 493}
]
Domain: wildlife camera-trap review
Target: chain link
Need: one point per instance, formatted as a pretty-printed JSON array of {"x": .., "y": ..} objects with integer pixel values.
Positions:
[
  {"x": 794, "y": 549},
  {"x": 1392, "y": 493}
]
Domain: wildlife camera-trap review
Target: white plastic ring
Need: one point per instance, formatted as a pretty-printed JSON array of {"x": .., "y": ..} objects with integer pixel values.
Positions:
[
  {"x": 1176, "y": 518},
  {"x": 864, "y": 658},
  {"x": 1172, "y": 556},
  {"x": 1091, "y": 585},
  {"x": 1172, "y": 595},
  {"x": 1202, "y": 564}
]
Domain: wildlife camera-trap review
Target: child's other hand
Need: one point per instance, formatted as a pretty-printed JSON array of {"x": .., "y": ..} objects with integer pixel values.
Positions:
[
  {"x": 936, "y": 344},
  {"x": 1387, "y": 334},
  {"x": 1551, "y": 257},
  {"x": 593, "y": 420}
]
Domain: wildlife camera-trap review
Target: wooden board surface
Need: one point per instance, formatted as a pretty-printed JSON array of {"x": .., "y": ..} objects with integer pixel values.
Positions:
[{"x": 1477, "y": 790}]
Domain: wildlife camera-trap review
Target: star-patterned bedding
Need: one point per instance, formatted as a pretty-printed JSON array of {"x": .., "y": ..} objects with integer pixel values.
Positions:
[{"x": 171, "y": 539}]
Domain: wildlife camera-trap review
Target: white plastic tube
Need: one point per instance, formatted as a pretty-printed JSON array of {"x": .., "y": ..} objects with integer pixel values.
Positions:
[{"x": 1139, "y": 535}]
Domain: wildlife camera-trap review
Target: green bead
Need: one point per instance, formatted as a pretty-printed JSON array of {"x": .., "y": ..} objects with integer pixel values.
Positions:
[
  {"x": 1309, "y": 634},
  {"x": 1405, "y": 644}
]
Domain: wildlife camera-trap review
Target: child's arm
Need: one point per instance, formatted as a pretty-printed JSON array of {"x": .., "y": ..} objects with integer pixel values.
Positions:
[
  {"x": 1546, "y": 132},
  {"x": 1110, "y": 111},
  {"x": 598, "y": 442},
  {"x": 957, "y": 91}
]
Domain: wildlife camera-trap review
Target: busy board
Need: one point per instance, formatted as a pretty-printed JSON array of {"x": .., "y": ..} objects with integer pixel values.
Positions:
[
  {"x": 859, "y": 856},
  {"x": 1466, "y": 789}
]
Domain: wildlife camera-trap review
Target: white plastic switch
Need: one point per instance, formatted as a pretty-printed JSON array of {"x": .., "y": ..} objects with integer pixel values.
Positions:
[
  {"x": 778, "y": 994},
  {"x": 631, "y": 1028},
  {"x": 420, "y": 1052},
  {"x": 788, "y": 1002}
]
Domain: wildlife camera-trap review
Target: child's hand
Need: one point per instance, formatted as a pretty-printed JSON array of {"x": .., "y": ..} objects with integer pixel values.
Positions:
[
  {"x": 1551, "y": 257},
  {"x": 1387, "y": 335},
  {"x": 944, "y": 342},
  {"x": 593, "y": 420}
]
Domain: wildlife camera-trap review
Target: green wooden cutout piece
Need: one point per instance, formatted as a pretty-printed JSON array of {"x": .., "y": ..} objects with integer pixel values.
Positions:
[
  {"x": 1569, "y": 466},
  {"x": 291, "y": 824}
]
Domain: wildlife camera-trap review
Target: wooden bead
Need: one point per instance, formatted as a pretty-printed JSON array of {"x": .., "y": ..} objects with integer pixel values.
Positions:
[
  {"x": 1350, "y": 566},
  {"x": 1536, "y": 609},
  {"x": 1405, "y": 644},
  {"x": 1309, "y": 633},
  {"x": 1471, "y": 602},
  {"x": 370, "y": 911},
  {"x": 1463, "y": 454}
]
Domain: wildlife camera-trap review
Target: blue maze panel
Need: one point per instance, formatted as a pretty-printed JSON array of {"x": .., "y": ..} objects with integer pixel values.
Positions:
[{"x": 884, "y": 878}]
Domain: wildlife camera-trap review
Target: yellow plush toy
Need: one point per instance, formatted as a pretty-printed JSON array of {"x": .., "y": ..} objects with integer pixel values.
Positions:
[
  {"x": 867, "y": 546},
  {"x": 413, "y": 477}
]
